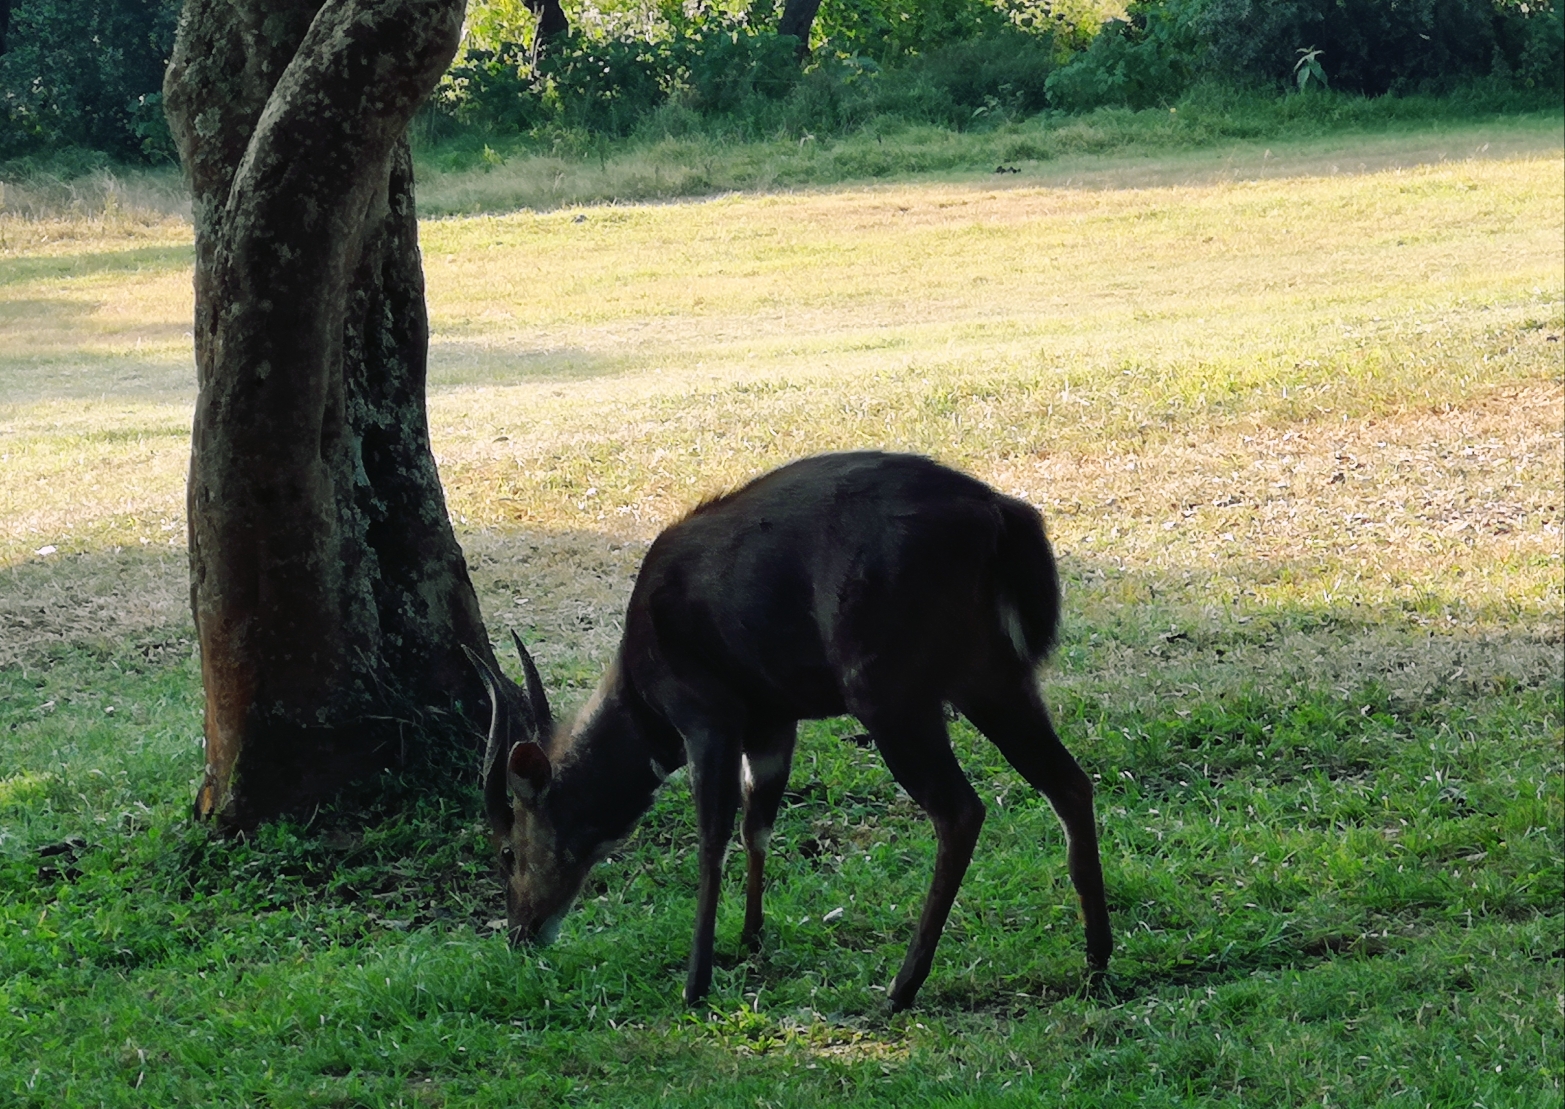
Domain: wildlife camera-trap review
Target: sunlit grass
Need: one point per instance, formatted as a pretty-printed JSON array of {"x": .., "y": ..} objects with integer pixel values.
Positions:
[
  {"x": 1333, "y": 391},
  {"x": 1212, "y": 135}
]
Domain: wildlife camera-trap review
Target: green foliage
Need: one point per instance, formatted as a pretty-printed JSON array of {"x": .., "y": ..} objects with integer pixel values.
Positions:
[
  {"x": 600, "y": 85},
  {"x": 887, "y": 30},
  {"x": 87, "y": 73},
  {"x": 1367, "y": 47},
  {"x": 1308, "y": 68},
  {"x": 1307, "y": 885},
  {"x": 1136, "y": 64},
  {"x": 722, "y": 68},
  {"x": 973, "y": 83},
  {"x": 1002, "y": 73},
  {"x": 607, "y": 84},
  {"x": 84, "y": 77},
  {"x": 1530, "y": 43},
  {"x": 1378, "y": 46},
  {"x": 748, "y": 82}
]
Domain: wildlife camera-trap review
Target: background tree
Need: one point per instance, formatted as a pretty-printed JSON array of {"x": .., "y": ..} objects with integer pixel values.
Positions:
[
  {"x": 551, "y": 20},
  {"x": 330, "y": 597},
  {"x": 798, "y": 16}
]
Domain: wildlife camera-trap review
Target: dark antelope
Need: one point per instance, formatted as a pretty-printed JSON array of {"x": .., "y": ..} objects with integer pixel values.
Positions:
[{"x": 880, "y": 585}]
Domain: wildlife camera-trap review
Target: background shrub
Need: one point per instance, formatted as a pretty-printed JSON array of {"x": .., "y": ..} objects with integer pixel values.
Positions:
[
  {"x": 1530, "y": 43},
  {"x": 81, "y": 79},
  {"x": 721, "y": 68},
  {"x": 86, "y": 73},
  {"x": 744, "y": 83},
  {"x": 1004, "y": 72},
  {"x": 1146, "y": 59},
  {"x": 1367, "y": 46},
  {"x": 887, "y": 30}
]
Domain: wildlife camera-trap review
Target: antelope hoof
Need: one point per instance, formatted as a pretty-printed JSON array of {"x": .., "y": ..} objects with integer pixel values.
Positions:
[
  {"x": 1096, "y": 983},
  {"x": 899, "y": 998},
  {"x": 695, "y": 992},
  {"x": 1098, "y": 958}
]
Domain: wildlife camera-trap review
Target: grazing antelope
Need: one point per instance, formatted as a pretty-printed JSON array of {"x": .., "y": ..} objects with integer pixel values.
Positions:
[{"x": 882, "y": 585}]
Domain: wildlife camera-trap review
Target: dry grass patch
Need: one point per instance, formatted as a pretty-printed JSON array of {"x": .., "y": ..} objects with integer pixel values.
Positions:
[
  {"x": 95, "y": 296},
  {"x": 1371, "y": 534},
  {"x": 1452, "y": 516},
  {"x": 104, "y": 202},
  {"x": 1206, "y": 277},
  {"x": 92, "y": 477},
  {"x": 1336, "y": 398},
  {"x": 1106, "y": 151}
]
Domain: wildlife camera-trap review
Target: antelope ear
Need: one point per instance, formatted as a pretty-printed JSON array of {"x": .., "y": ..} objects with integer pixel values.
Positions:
[{"x": 527, "y": 771}]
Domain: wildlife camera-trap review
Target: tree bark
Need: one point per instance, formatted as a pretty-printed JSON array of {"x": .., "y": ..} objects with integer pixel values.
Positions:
[
  {"x": 798, "y": 18},
  {"x": 551, "y": 20},
  {"x": 331, "y": 599}
]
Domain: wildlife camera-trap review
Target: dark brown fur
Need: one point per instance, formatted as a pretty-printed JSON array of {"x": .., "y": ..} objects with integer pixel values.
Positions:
[{"x": 880, "y": 585}]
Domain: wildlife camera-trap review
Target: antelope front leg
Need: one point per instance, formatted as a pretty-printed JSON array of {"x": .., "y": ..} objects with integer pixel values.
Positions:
[{"x": 714, "y": 780}]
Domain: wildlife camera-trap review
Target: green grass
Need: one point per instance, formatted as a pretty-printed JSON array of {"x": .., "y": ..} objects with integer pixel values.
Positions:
[
  {"x": 1316, "y": 895},
  {"x": 1297, "y": 434},
  {"x": 1212, "y": 132}
]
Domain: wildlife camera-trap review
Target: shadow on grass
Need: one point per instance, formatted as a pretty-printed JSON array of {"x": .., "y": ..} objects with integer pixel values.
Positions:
[
  {"x": 147, "y": 259},
  {"x": 75, "y": 376},
  {"x": 564, "y": 592},
  {"x": 1015, "y": 996},
  {"x": 457, "y": 363},
  {"x": 404, "y": 850},
  {"x": 30, "y": 312},
  {"x": 100, "y": 601}
]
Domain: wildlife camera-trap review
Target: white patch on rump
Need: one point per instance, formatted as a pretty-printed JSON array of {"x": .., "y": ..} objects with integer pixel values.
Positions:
[{"x": 1011, "y": 621}]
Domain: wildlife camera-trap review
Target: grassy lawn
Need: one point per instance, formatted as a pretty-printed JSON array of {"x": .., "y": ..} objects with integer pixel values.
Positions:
[
  {"x": 1208, "y": 137},
  {"x": 1296, "y": 418}
]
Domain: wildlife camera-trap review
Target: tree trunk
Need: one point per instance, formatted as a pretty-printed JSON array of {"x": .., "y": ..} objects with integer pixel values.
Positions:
[
  {"x": 797, "y": 18},
  {"x": 330, "y": 597},
  {"x": 551, "y": 20}
]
